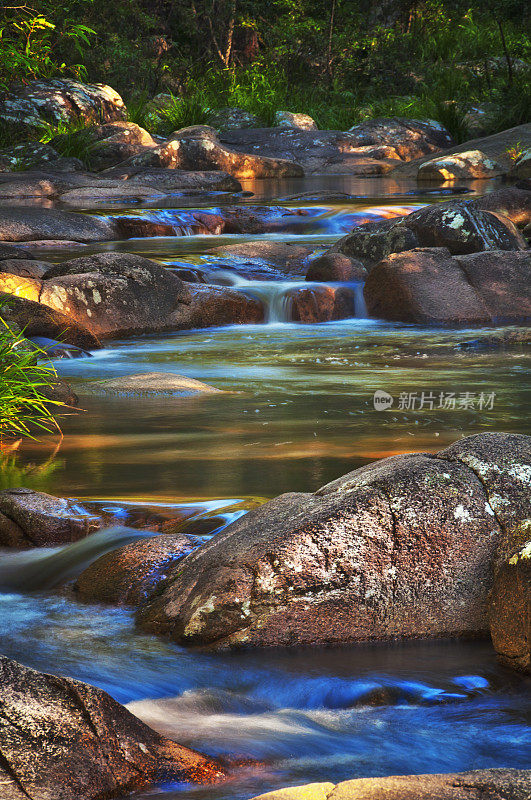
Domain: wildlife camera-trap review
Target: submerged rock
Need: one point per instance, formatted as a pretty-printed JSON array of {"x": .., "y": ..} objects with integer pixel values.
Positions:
[
  {"x": 36, "y": 519},
  {"x": 288, "y": 259},
  {"x": 67, "y": 740},
  {"x": 402, "y": 548},
  {"x": 489, "y": 784},
  {"x": 428, "y": 285},
  {"x": 129, "y": 574},
  {"x": 158, "y": 383},
  {"x": 468, "y": 165}
]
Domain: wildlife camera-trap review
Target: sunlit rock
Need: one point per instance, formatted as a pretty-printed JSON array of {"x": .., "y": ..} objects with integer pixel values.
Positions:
[
  {"x": 468, "y": 165},
  {"x": 401, "y": 548}
]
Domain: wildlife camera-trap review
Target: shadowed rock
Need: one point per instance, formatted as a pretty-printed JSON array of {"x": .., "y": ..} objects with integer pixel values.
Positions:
[
  {"x": 336, "y": 267},
  {"x": 35, "y": 319},
  {"x": 27, "y": 224},
  {"x": 427, "y": 285},
  {"x": 402, "y": 548},
  {"x": 36, "y": 519},
  {"x": 510, "y": 608},
  {"x": 67, "y": 740}
]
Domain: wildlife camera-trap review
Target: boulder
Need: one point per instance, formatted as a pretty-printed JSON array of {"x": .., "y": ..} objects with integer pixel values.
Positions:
[
  {"x": 487, "y": 784},
  {"x": 522, "y": 167},
  {"x": 501, "y": 280},
  {"x": 61, "y": 100},
  {"x": 8, "y": 252},
  {"x": 127, "y": 576},
  {"x": 198, "y": 148},
  {"x": 509, "y": 201},
  {"x": 35, "y": 319},
  {"x": 462, "y": 228},
  {"x": 355, "y": 152},
  {"x": 28, "y": 223},
  {"x": 429, "y": 286},
  {"x": 108, "y": 144},
  {"x": 36, "y": 519},
  {"x": 173, "y": 180},
  {"x": 468, "y": 165},
  {"x": 227, "y": 119},
  {"x": 114, "y": 294},
  {"x": 67, "y": 740},
  {"x": 373, "y": 241},
  {"x": 27, "y": 155},
  {"x": 25, "y": 268},
  {"x": 336, "y": 267},
  {"x": 93, "y": 196},
  {"x": 510, "y": 609},
  {"x": 253, "y": 258},
  {"x": 402, "y": 548},
  {"x": 154, "y": 383},
  {"x": 301, "y": 122},
  {"x": 321, "y": 304},
  {"x": 213, "y": 306}
]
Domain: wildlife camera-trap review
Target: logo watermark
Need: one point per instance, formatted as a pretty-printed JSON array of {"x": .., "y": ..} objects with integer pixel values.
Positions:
[{"x": 433, "y": 401}]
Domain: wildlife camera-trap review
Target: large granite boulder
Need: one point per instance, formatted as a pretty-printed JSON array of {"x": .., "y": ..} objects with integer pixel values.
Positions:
[
  {"x": 61, "y": 739},
  {"x": 403, "y": 548},
  {"x": 487, "y": 784},
  {"x": 199, "y": 148},
  {"x": 486, "y": 223},
  {"x": 61, "y": 100},
  {"x": 373, "y": 147},
  {"x": 429, "y": 286},
  {"x": 36, "y": 519},
  {"x": 121, "y": 294}
]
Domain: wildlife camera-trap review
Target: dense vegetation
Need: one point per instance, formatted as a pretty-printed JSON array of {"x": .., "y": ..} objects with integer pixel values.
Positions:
[{"x": 339, "y": 60}]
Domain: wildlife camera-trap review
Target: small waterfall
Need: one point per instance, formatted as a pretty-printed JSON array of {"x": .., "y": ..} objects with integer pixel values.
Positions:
[
  {"x": 44, "y": 568},
  {"x": 277, "y": 297}
]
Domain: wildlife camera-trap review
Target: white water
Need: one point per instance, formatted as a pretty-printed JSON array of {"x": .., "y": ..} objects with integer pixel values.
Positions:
[{"x": 277, "y": 296}]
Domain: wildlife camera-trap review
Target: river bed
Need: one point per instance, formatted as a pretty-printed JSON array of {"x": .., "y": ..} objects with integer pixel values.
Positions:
[{"x": 296, "y": 411}]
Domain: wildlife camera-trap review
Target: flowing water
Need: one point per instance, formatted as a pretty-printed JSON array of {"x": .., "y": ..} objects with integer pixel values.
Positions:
[{"x": 296, "y": 411}]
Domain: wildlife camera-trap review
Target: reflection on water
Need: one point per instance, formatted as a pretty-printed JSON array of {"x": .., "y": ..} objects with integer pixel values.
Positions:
[{"x": 296, "y": 411}]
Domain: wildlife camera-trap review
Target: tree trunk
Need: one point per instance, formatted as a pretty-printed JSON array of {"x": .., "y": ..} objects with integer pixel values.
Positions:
[{"x": 506, "y": 53}]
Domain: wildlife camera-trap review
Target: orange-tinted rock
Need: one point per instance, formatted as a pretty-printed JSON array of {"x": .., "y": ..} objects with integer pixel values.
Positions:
[
  {"x": 129, "y": 574},
  {"x": 510, "y": 609},
  {"x": 67, "y": 740},
  {"x": 321, "y": 304},
  {"x": 35, "y": 319}
]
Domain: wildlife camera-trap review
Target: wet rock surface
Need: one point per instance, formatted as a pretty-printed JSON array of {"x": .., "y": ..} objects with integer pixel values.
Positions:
[
  {"x": 488, "y": 784},
  {"x": 129, "y": 574},
  {"x": 428, "y": 285},
  {"x": 402, "y": 548},
  {"x": 37, "y": 519},
  {"x": 67, "y": 740}
]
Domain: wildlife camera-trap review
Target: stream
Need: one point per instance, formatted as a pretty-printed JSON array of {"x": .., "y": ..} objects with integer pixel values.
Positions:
[{"x": 296, "y": 411}]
